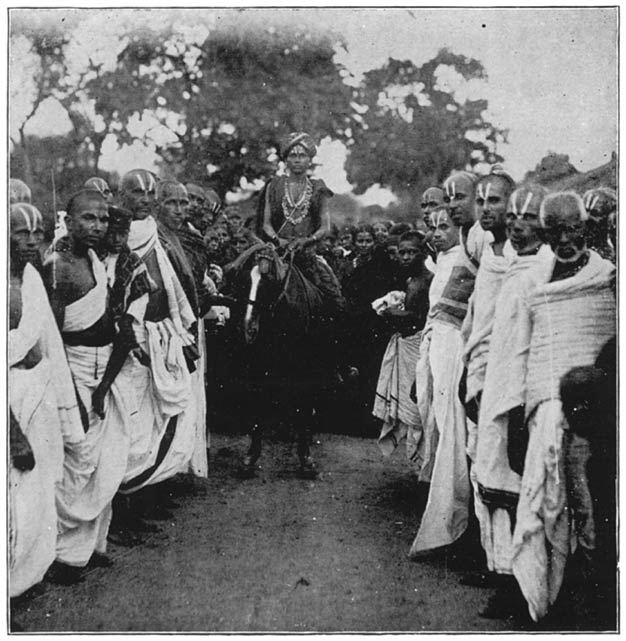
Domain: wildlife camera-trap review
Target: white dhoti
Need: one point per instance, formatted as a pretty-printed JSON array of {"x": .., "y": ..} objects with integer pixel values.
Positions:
[
  {"x": 498, "y": 485},
  {"x": 542, "y": 532},
  {"x": 43, "y": 401},
  {"x": 393, "y": 404},
  {"x": 570, "y": 320},
  {"x": 32, "y": 509},
  {"x": 446, "y": 514},
  {"x": 95, "y": 467},
  {"x": 163, "y": 408}
]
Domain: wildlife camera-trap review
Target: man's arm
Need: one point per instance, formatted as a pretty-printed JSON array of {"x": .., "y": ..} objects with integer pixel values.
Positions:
[
  {"x": 267, "y": 222},
  {"x": 324, "y": 220},
  {"x": 54, "y": 279},
  {"x": 123, "y": 344}
]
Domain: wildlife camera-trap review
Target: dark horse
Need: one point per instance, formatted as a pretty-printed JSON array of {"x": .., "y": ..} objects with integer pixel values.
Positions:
[{"x": 289, "y": 305}]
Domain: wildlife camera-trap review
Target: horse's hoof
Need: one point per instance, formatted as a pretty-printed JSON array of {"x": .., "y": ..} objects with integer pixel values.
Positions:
[
  {"x": 307, "y": 469},
  {"x": 248, "y": 468}
]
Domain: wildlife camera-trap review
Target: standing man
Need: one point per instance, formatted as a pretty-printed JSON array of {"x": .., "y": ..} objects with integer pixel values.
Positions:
[
  {"x": 432, "y": 199},
  {"x": 393, "y": 404},
  {"x": 44, "y": 413},
  {"x": 497, "y": 484},
  {"x": 77, "y": 286},
  {"x": 492, "y": 196},
  {"x": 186, "y": 250},
  {"x": 447, "y": 509},
  {"x": 165, "y": 407},
  {"x": 566, "y": 317}
]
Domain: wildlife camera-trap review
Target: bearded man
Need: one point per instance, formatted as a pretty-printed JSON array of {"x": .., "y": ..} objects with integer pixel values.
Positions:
[
  {"x": 44, "y": 413},
  {"x": 567, "y": 315}
]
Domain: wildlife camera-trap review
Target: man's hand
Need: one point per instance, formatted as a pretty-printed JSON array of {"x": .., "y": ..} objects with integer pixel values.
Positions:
[{"x": 97, "y": 400}]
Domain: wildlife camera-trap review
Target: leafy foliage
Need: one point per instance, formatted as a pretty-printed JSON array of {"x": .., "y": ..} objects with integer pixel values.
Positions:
[{"x": 410, "y": 130}]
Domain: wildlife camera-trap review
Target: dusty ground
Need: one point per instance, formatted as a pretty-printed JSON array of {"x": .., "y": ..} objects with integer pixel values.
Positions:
[{"x": 276, "y": 553}]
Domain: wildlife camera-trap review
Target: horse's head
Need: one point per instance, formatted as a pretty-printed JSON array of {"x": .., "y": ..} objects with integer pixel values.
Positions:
[{"x": 267, "y": 270}]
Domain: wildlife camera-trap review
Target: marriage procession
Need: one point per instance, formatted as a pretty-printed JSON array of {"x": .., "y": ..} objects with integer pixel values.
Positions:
[{"x": 181, "y": 334}]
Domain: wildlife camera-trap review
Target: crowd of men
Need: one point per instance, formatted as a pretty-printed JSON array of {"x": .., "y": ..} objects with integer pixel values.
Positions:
[{"x": 482, "y": 334}]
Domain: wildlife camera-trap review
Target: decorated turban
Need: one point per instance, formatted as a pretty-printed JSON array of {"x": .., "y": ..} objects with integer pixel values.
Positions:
[{"x": 298, "y": 138}]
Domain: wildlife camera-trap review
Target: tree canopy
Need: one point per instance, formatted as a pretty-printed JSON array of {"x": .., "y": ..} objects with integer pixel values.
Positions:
[
  {"x": 214, "y": 100},
  {"x": 413, "y": 131}
]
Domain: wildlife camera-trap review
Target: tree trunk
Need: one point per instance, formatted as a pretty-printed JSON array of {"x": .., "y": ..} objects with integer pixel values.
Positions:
[{"x": 26, "y": 164}]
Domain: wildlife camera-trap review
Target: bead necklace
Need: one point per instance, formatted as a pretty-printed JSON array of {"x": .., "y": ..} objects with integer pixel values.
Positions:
[{"x": 291, "y": 208}]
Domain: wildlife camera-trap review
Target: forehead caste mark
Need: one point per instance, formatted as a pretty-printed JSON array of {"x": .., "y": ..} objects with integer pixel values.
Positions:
[
  {"x": 483, "y": 191},
  {"x": 26, "y": 215}
]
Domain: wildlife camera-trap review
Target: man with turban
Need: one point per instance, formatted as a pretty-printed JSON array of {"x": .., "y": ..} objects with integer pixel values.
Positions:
[{"x": 294, "y": 206}]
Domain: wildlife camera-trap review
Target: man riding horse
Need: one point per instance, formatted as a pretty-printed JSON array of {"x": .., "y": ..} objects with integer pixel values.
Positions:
[{"x": 291, "y": 298}]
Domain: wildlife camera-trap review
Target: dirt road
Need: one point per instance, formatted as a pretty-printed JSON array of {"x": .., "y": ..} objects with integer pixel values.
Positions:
[{"x": 276, "y": 553}]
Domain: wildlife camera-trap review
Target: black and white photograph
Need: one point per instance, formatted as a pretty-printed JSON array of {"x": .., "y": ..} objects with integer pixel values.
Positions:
[{"x": 312, "y": 320}]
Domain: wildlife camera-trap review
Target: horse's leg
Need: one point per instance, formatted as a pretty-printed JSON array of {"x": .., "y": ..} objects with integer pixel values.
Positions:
[{"x": 303, "y": 418}]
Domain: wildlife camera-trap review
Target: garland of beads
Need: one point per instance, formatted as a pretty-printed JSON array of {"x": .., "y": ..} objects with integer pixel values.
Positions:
[{"x": 290, "y": 208}]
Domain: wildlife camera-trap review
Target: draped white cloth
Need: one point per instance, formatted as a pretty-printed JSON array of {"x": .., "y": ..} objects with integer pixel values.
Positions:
[
  {"x": 496, "y": 481},
  {"x": 438, "y": 373},
  {"x": 393, "y": 404},
  {"x": 423, "y": 375},
  {"x": 43, "y": 402},
  {"x": 86, "y": 311},
  {"x": 166, "y": 402},
  {"x": 478, "y": 323},
  {"x": 94, "y": 468},
  {"x": 566, "y": 323},
  {"x": 144, "y": 238},
  {"x": 446, "y": 514}
]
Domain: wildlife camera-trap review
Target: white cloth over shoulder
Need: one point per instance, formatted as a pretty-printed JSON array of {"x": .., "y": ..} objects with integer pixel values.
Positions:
[
  {"x": 478, "y": 323},
  {"x": 89, "y": 309},
  {"x": 42, "y": 401},
  {"x": 498, "y": 485},
  {"x": 571, "y": 320}
]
